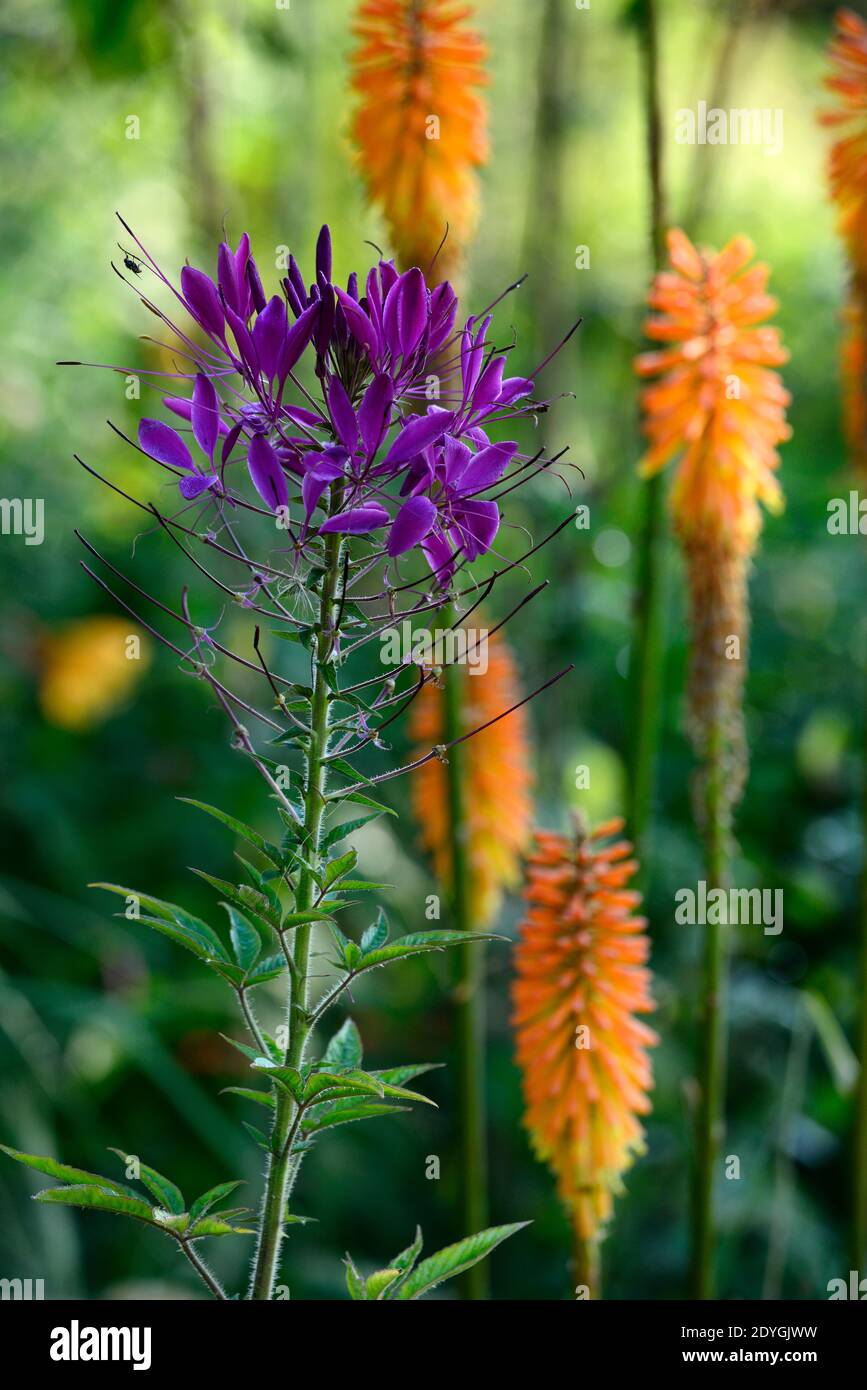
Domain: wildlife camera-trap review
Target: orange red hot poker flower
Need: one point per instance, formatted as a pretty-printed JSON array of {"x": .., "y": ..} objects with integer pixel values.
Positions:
[
  {"x": 420, "y": 127},
  {"x": 848, "y": 159},
  {"x": 497, "y": 803},
  {"x": 718, "y": 404},
  {"x": 581, "y": 981},
  {"x": 847, "y": 176}
]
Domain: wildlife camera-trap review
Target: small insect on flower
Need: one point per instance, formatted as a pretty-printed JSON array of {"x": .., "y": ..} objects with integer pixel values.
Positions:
[{"x": 581, "y": 979}]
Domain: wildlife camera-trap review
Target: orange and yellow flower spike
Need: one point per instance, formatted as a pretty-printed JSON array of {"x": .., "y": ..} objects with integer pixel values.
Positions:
[
  {"x": 420, "y": 126},
  {"x": 582, "y": 980}
]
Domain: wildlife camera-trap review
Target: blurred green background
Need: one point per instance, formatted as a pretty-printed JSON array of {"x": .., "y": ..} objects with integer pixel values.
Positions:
[{"x": 110, "y": 1036}]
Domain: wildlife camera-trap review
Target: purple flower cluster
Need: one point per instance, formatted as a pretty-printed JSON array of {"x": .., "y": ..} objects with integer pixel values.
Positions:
[{"x": 388, "y": 438}]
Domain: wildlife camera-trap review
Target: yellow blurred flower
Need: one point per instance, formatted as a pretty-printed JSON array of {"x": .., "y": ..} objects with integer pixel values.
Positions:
[{"x": 88, "y": 669}]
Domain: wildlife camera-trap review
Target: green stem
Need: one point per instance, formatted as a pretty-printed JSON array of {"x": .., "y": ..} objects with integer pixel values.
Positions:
[
  {"x": 587, "y": 1265},
  {"x": 281, "y": 1168},
  {"x": 711, "y": 1102},
  {"x": 646, "y": 662},
  {"x": 471, "y": 998}
]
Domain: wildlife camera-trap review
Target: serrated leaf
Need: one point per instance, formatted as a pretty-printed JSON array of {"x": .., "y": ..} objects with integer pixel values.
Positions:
[
  {"x": 98, "y": 1199},
  {"x": 192, "y": 928},
  {"x": 238, "y": 827},
  {"x": 288, "y": 1077},
  {"x": 339, "y": 1084},
  {"x": 257, "y": 1136},
  {"x": 64, "y": 1173},
  {"x": 345, "y": 1112},
  {"x": 211, "y": 1198},
  {"x": 347, "y": 827},
  {"x": 268, "y": 968},
  {"x": 398, "y": 1076},
  {"x": 260, "y": 1097},
  {"x": 299, "y": 919},
  {"x": 246, "y": 942},
  {"x": 345, "y": 1049},
  {"x": 417, "y": 942},
  {"x": 165, "y": 1191},
  {"x": 376, "y": 935},
  {"x": 455, "y": 1259},
  {"x": 213, "y": 1226},
  {"x": 233, "y": 893},
  {"x": 338, "y": 867}
]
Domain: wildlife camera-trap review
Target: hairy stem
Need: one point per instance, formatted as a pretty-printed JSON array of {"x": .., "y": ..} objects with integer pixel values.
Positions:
[
  {"x": 711, "y": 1119},
  {"x": 471, "y": 997},
  {"x": 205, "y": 1274},
  {"x": 298, "y": 1021}
]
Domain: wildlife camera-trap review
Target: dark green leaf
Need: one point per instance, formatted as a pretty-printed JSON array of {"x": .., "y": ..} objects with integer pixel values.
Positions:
[
  {"x": 246, "y": 832},
  {"x": 165, "y": 1191},
  {"x": 211, "y": 1198},
  {"x": 99, "y": 1199},
  {"x": 64, "y": 1173},
  {"x": 455, "y": 1259},
  {"x": 376, "y": 935},
  {"x": 345, "y": 1049},
  {"x": 246, "y": 942}
]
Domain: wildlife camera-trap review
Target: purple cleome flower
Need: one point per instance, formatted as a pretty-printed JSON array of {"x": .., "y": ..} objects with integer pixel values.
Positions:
[{"x": 368, "y": 447}]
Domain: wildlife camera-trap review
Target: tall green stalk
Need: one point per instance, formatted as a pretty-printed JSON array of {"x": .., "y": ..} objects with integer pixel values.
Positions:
[
  {"x": 710, "y": 1117},
  {"x": 471, "y": 1010},
  {"x": 647, "y": 653},
  {"x": 280, "y": 1172}
]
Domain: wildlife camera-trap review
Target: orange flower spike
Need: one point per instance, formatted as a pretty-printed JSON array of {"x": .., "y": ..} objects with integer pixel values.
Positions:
[
  {"x": 718, "y": 403},
  {"x": 847, "y": 164},
  {"x": 581, "y": 977},
  {"x": 420, "y": 127},
  {"x": 497, "y": 804}
]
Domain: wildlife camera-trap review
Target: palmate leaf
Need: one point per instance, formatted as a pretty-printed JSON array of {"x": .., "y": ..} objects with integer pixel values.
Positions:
[{"x": 455, "y": 1259}]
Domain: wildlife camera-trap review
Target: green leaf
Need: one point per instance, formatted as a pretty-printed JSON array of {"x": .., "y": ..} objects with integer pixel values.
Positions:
[
  {"x": 165, "y": 1191},
  {"x": 354, "y": 1282},
  {"x": 360, "y": 885},
  {"x": 378, "y": 1283},
  {"x": 64, "y": 1173},
  {"x": 211, "y": 1198},
  {"x": 339, "y": 1084},
  {"x": 246, "y": 832},
  {"x": 249, "y": 1052},
  {"x": 99, "y": 1199},
  {"x": 345, "y": 1049},
  {"x": 268, "y": 968},
  {"x": 195, "y": 934},
  {"x": 213, "y": 1226},
  {"x": 288, "y": 1077},
  {"x": 417, "y": 942},
  {"x": 246, "y": 942},
  {"x": 398, "y": 1076},
  {"x": 455, "y": 1259},
  {"x": 338, "y": 867},
  {"x": 347, "y": 827},
  {"x": 257, "y": 1136},
  {"x": 361, "y": 800},
  {"x": 375, "y": 935},
  {"x": 405, "y": 1263},
  {"x": 266, "y": 916},
  {"x": 298, "y": 919},
  {"x": 347, "y": 1111},
  {"x": 260, "y": 1097}
]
